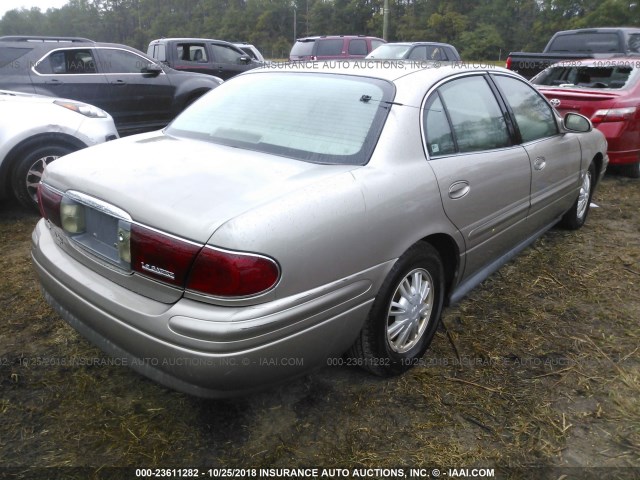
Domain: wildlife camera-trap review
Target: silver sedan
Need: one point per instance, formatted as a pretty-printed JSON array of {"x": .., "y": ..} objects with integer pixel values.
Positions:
[{"x": 294, "y": 215}]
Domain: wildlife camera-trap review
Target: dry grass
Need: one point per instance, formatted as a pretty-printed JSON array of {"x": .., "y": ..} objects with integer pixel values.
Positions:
[{"x": 539, "y": 366}]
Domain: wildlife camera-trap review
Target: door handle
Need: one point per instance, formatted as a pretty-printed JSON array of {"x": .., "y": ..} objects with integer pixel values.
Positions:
[
  {"x": 53, "y": 82},
  {"x": 539, "y": 163},
  {"x": 119, "y": 82},
  {"x": 459, "y": 189}
]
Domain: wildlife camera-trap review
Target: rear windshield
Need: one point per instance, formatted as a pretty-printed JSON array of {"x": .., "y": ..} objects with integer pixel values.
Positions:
[
  {"x": 302, "y": 48},
  {"x": 320, "y": 118},
  {"x": 587, "y": 77},
  {"x": 390, "y": 51},
  {"x": 586, "y": 42}
]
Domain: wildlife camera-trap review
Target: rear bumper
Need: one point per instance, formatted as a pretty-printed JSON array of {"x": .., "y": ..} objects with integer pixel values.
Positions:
[
  {"x": 624, "y": 158},
  {"x": 200, "y": 348}
]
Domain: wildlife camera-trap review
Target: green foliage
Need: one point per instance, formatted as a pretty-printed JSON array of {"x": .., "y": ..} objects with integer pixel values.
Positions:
[{"x": 480, "y": 29}]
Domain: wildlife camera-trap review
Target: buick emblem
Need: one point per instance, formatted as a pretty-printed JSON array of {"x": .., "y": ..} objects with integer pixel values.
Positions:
[{"x": 555, "y": 102}]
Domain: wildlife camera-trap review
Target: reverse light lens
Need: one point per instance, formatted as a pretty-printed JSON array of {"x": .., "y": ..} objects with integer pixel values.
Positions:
[
  {"x": 82, "y": 108},
  {"x": 223, "y": 273},
  {"x": 72, "y": 216},
  {"x": 613, "y": 115},
  {"x": 124, "y": 243}
]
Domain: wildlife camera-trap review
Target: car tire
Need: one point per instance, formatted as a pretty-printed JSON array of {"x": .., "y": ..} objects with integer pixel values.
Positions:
[
  {"x": 404, "y": 316},
  {"x": 632, "y": 170},
  {"x": 27, "y": 171},
  {"x": 575, "y": 217}
]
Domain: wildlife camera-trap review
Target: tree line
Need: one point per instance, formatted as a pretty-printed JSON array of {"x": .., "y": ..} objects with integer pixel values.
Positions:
[{"x": 480, "y": 29}]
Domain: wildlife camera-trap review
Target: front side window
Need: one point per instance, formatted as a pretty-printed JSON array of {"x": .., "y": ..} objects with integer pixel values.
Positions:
[
  {"x": 68, "y": 62},
  {"x": 121, "y": 61},
  {"x": 476, "y": 117},
  {"x": 224, "y": 54},
  {"x": 319, "y": 118},
  {"x": 534, "y": 116}
]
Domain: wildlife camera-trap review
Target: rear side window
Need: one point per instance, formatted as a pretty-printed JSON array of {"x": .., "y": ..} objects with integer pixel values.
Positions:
[
  {"x": 358, "y": 47},
  {"x": 437, "y": 129},
  {"x": 10, "y": 55},
  {"x": 68, "y": 62},
  {"x": 157, "y": 51},
  {"x": 476, "y": 117},
  {"x": 329, "y": 47},
  {"x": 376, "y": 43},
  {"x": 191, "y": 52}
]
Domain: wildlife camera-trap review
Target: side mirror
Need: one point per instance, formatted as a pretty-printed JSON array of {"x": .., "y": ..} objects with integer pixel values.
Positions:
[
  {"x": 152, "y": 69},
  {"x": 245, "y": 59},
  {"x": 574, "y": 122}
]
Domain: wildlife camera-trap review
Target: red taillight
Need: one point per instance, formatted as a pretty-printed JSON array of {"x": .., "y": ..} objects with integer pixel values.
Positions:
[
  {"x": 207, "y": 270},
  {"x": 231, "y": 274},
  {"x": 49, "y": 204},
  {"x": 161, "y": 256},
  {"x": 613, "y": 115},
  {"x": 508, "y": 64}
]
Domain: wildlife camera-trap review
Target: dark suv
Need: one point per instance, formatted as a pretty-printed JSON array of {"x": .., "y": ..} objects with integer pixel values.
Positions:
[
  {"x": 333, "y": 47},
  {"x": 203, "y": 55},
  {"x": 139, "y": 93}
]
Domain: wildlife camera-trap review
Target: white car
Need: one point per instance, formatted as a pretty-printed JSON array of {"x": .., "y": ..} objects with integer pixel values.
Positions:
[{"x": 35, "y": 130}]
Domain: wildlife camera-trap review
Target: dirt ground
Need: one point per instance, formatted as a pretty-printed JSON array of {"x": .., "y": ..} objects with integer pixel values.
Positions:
[{"x": 536, "y": 374}]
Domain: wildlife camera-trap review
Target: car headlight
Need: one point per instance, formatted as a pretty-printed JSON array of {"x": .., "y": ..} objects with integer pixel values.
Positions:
[{"x": 82, "y": 108}]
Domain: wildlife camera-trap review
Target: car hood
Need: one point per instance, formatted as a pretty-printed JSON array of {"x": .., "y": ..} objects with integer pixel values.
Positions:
[
  {"x": 185, "y": 187},
  {"x": 21, "y": 97}
]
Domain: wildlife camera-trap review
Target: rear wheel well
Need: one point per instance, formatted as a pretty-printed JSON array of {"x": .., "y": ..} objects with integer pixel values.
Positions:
[
  {"x": 597, "y": 161},
  {"x": 449, "y": 255}
]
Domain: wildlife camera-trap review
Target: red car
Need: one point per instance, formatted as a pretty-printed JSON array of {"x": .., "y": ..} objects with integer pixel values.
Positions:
[{"x": 608, "y": 92}]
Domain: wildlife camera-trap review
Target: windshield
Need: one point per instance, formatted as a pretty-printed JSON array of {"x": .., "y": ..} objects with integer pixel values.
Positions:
[
  {"x": 594, "y": 42},
  {"x": 587, "y": 76},
  {"x": 390, "y": 51},
  {"x": 320, "y": 118}
]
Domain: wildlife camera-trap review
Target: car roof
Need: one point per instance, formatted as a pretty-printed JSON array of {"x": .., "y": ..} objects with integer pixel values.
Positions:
[
  {"x": 47, "y": 44},
  {"x": 421, "y": 43},
  {"x": 316, "y": 37},
  {"x": 601, "y": 30},
  {"x": 190, "y": 39}
]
